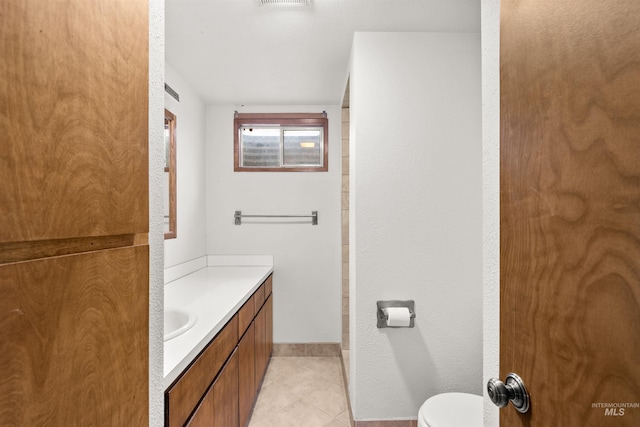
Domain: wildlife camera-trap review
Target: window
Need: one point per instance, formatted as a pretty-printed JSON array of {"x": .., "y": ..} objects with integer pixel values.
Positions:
[{"x": 281, "y": 142}]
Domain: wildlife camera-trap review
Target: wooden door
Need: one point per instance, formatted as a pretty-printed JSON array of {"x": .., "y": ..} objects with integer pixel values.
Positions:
[
  {"x": 74, "y": 268},
  {"x": 74, "y": 347},
  {"x": 570, "y": 210}
]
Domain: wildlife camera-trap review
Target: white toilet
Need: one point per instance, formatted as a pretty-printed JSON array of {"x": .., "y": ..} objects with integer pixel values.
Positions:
[{"x": 451, "y": 410}]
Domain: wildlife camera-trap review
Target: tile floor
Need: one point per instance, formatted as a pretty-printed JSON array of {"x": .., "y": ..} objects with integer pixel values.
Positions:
[{"x": 302, "y": 391}]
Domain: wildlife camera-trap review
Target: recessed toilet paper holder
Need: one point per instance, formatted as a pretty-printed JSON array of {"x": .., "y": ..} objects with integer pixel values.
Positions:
[{"x": 382, "y": 316}]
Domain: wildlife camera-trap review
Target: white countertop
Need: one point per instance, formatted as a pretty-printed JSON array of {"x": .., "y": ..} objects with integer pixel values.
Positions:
[{"x": 214, "y": 294}]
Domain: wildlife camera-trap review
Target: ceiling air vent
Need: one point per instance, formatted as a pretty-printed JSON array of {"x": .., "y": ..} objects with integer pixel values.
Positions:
[{"x": 283, "y": 2}]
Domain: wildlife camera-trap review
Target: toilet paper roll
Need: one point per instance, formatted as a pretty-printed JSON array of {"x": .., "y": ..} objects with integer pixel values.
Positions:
[{"x": 398, "y": 316}]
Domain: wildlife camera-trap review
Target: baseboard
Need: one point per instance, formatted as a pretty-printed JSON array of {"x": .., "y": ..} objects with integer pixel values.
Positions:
[{"x": 324, "y": 349}]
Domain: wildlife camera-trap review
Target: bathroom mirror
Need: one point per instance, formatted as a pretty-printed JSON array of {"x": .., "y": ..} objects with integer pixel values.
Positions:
[{"x": 170, "y": 127}]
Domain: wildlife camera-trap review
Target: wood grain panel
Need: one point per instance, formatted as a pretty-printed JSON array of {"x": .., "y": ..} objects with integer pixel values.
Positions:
[
  {"x": 570, "y": 209},
  {"x": 246, "y": 375},
  {"x": 225, "y": 392},
  {"x": 74, "y": 347},
  {"x": 73, "y": 119},
  {"x": 184, "y": 395}
]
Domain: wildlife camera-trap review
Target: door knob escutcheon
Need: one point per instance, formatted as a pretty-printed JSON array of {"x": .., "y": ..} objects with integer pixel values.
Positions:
[{"x": 512, "y": 389}]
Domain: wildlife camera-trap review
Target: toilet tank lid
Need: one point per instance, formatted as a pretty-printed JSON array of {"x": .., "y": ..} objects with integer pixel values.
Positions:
[{"x": 452, "y": 410}]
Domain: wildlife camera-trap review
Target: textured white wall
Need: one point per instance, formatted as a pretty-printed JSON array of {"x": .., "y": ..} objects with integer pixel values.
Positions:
[
  {"x": 190, "y": 156},
  {"x": 491, "y": 198},
  {"x": 156, "y": 236},
  {"x": 416, "y": 218},
  {"x": 307, "y": 259}
]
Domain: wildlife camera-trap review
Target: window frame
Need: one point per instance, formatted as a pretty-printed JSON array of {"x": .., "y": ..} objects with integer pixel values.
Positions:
[{"x": 283, "y": 120}]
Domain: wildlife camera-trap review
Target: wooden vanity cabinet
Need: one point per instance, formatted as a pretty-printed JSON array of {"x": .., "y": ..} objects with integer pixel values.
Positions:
[
  {"x": 208, "y": 394},
  {"x": 74, "y": 213}
]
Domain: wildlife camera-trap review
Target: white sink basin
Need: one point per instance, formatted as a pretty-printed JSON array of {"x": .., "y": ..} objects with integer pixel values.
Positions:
[{"x": 177, "y": 322}]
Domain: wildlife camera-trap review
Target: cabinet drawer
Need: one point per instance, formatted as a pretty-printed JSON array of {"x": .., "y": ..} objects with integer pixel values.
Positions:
[
  {"x": 185, "y": 394},
  {"x": 268, "y": 286},
  {"x": 245, "y": 315},
  {"x": 259, "y": 296}
]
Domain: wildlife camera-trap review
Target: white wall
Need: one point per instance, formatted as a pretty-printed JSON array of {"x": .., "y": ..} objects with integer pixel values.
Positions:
[
  {"x": 416, "y": 218},
  {"x": 307, "y": 259},
  {"x": 491, "y": 198},
  {"x": 156, "y": 237},
  {"x": 191, "y": 172}
]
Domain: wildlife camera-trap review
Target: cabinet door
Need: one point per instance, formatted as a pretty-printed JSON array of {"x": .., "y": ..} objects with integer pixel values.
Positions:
[
  {"x": 246, "y": 374},
  {"x": 74, "y": 119},
  {"x": 203, "y": 416},
  {"x": 225, "y": 395},
  {"x": 261, "y": 350},
  {"x": 269, "y": 329},
  {"x": 74, "y": 347},
  {"x": 264, "y": 339}
]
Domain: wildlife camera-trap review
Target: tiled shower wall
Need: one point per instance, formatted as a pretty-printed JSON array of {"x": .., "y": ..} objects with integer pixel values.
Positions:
[{"x": 345, "y": 228}]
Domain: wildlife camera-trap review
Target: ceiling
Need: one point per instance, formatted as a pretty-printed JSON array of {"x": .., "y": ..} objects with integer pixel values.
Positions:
[{"x": 236, "y": 52}]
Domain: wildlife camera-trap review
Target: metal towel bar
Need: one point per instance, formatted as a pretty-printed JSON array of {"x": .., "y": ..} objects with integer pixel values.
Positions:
[{"x": 238, "y": 217}]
